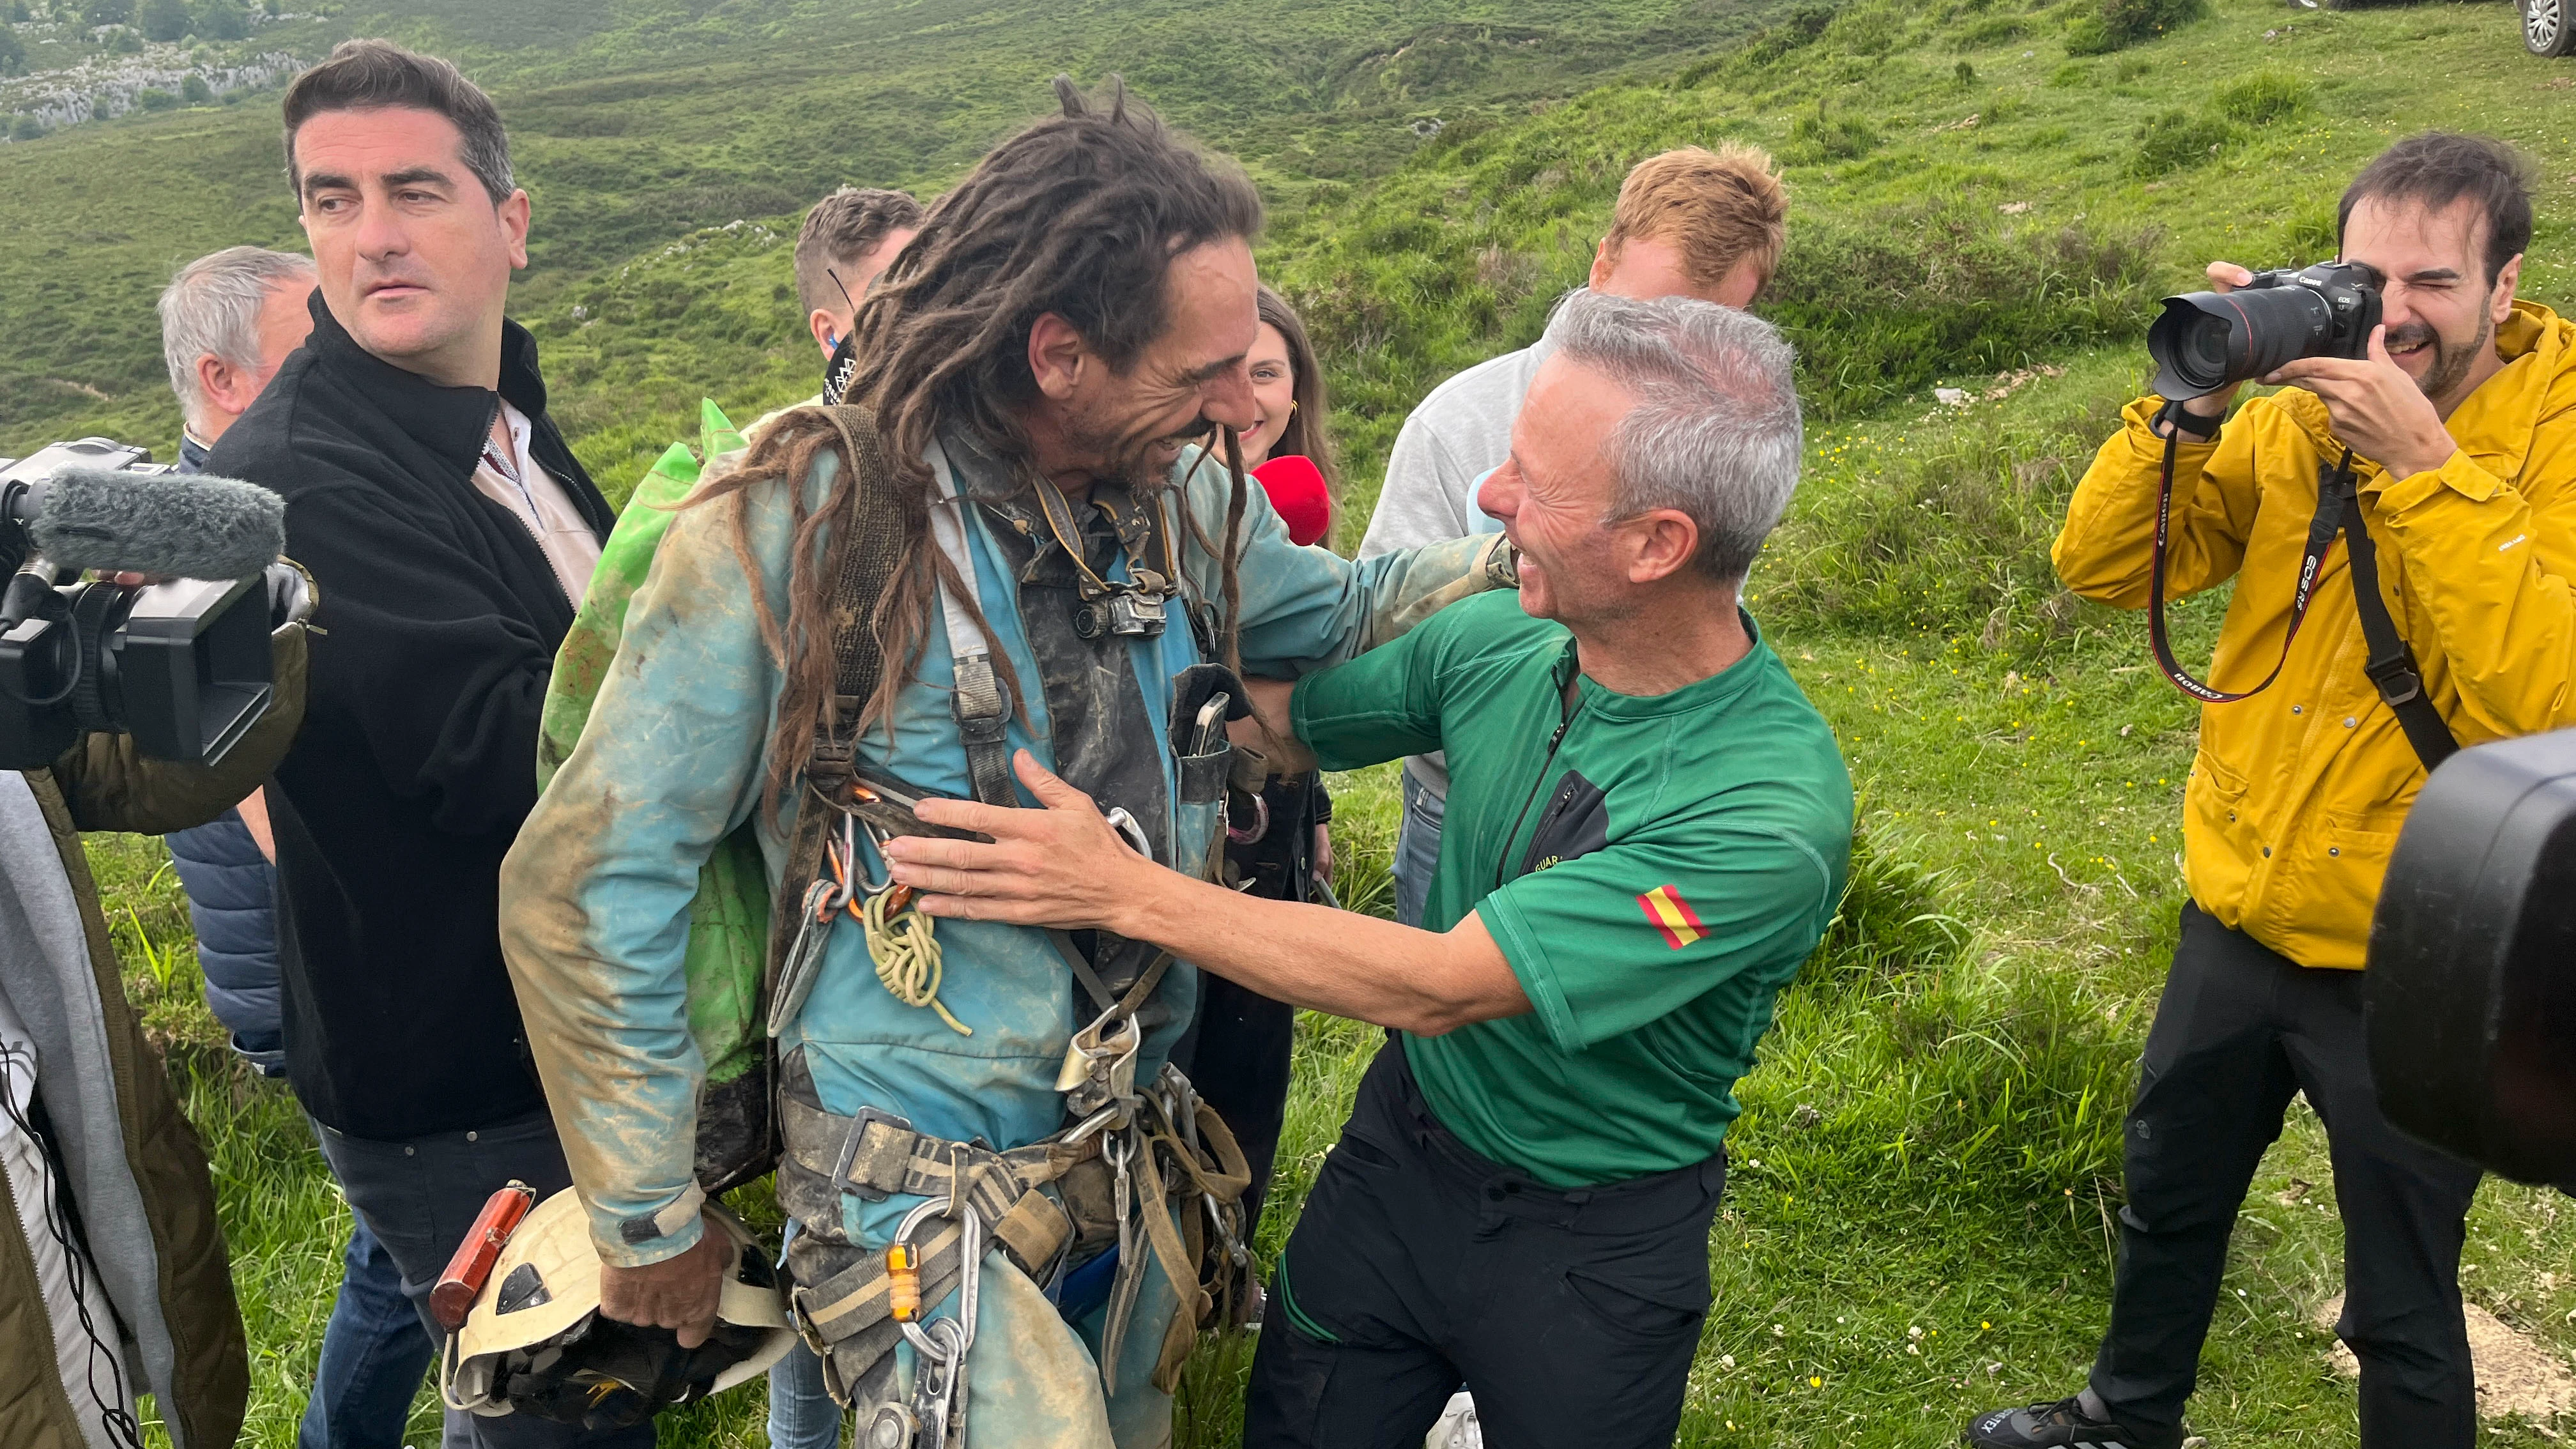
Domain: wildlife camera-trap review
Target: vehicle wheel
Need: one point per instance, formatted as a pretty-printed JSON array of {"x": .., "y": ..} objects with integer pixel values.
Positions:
[{"x": 2545, "y": 27}]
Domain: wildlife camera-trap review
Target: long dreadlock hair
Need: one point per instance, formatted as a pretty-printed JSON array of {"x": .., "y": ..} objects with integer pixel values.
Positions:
[{"x": 1079, "y": 215}]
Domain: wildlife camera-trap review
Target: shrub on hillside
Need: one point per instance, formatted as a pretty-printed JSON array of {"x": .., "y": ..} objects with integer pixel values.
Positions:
[
  {"x": 195, "y": 91},
  {"x": 1863, "y": 30},
  {"x": 222, "y": 20},
  {"x": 25, "y": 128},
  {"x": 1816, "y": 136},
  {"x": 2177, "y": 140},
  {"x": 1993, "y": 30},
  {"x": 2264, "y": 97},
  {"x": 1881, "y": 308},
  {"x": 157, "y": 100},
  {"x": 164, "y": 19},
  {"x": 2118, "y": 24},
  {"x": 13, "y": 56},
  {"x": 1795, "y": 31}
]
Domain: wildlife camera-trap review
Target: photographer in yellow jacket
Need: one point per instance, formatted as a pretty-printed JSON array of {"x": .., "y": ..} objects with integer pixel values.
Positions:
[{"x": 2434, "y": 455}]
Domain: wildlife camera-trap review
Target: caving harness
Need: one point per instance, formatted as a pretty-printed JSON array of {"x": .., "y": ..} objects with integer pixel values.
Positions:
[{"x": 1147, "y": 1170}]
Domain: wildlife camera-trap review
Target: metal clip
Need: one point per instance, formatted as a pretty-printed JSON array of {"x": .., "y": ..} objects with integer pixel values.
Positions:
[
  {"x": 1260, "y": 822},
  {"x": 850, "y": 1151},
  {"x": 1100, "y": 1063},
  {"x": 822, "y": 908},
  {"x": 939, "y": 1375},
  {"x": 1131, "y": 830}
]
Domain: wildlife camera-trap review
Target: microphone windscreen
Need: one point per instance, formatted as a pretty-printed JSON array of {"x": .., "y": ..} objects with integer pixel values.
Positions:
[
  {"x": 170, "y": 525},
  {"x": 1297, "y": 490}
]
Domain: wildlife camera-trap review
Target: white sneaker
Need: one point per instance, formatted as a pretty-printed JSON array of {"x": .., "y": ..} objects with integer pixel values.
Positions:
[{"x": 1457, "y": 1428}]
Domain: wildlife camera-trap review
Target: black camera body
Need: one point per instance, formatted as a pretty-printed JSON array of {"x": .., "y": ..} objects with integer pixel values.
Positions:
[
  {"x": 2206, "y": 341},
  {"x": 183, "y": 666}
]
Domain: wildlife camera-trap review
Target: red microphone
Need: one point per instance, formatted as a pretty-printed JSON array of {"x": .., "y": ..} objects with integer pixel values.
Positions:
[{"x": 1297, "y": 490}]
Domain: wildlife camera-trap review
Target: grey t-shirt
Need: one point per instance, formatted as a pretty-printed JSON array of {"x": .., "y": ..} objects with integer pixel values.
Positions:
[{"x": 1460, "y": 433}]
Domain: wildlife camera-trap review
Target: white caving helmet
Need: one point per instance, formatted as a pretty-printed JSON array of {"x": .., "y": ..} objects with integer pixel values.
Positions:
[{"x": 535, "y": 1343}]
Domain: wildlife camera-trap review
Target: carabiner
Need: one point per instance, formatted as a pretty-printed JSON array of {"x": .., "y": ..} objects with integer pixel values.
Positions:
[
  {"x": 1260, "y": 823},
  {"x": 970, "y": 1267}
]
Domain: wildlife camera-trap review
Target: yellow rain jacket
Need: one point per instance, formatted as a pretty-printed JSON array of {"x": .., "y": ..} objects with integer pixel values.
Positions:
[{"x": 2297, "y": 794}]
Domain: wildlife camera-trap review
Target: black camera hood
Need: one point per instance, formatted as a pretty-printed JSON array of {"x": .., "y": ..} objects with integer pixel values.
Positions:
[{"x": 2471, "y": 992}]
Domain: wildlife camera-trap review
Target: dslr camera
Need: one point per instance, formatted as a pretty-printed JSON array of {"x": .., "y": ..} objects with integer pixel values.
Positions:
[
  {"x": 2206, "y": 341},
  {"x": 183, "y": 664}
]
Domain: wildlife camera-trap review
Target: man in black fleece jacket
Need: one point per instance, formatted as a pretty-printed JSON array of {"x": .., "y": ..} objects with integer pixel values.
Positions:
[{"x": 450, "y": 531}]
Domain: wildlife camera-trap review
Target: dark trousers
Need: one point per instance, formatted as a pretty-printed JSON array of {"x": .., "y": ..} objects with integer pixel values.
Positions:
[
  {"x": 375, "y": 1351},
  {"x": 2239, "y": 1030},
  {"x": 1418, "y": 1266},
  {"x": 420, "y": 1197},
  {"x": 1236, "y": 1056}
]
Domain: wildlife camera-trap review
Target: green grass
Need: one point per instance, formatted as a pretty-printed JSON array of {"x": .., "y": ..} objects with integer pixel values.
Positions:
[
  {"x": 635, "y": 123},
  {"x": 1919, "y": 1222}
]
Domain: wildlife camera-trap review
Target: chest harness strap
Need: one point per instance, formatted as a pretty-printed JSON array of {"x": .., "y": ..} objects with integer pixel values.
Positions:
[{"x": 982, "y": 721}]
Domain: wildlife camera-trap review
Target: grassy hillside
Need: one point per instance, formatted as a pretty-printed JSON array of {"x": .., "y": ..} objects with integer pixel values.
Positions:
[
  {"x": 636, "y": 122},
  {"x": 1920, "y": 1217}
]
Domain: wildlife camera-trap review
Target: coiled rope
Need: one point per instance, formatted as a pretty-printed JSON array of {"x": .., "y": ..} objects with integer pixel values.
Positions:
[
  {"x": 906, "y": 951},
  {"x": 901, "y": 940}
]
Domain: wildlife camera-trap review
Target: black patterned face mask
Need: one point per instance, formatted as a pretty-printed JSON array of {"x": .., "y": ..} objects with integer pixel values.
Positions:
[{"x": 837, "y": 373}]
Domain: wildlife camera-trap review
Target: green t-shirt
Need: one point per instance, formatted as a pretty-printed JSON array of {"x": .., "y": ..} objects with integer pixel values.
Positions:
[{"x": 1655, "y": 868}]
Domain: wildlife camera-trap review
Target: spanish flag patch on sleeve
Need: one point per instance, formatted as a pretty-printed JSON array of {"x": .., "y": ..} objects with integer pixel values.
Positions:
[{"x": 1672, "y": 915}]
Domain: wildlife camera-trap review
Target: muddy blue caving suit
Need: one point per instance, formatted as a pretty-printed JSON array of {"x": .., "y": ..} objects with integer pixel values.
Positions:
[{"x": 596, "y": 893}]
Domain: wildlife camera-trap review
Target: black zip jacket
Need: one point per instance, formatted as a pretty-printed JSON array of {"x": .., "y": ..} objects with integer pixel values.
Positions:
[{"x": 437, "y": 628}]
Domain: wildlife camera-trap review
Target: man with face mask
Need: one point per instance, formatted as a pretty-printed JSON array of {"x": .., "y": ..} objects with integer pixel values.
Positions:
[
  {"x": 1056, "y": 568},
  {"x": 2460, "y": 429}
]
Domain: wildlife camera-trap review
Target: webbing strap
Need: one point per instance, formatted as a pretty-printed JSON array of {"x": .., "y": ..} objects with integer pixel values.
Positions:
[
  {"x": 982, "y": 721},
  {"x": 2391, "y": 665},
  {"x": 887, "y": 1159}
]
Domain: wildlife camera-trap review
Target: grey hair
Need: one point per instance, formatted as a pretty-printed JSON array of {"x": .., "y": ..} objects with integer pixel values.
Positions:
[
  {"x": 1715, "y": 432},
  {"x": 212, "y": 307}
]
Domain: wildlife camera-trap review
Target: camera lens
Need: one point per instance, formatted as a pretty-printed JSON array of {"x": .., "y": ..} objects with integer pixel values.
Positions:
[
  {"x": 2208, "y": 340},
  {"x": 2192, "y": 345}
]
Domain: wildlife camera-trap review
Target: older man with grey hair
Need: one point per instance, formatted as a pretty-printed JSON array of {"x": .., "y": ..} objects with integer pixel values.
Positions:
[
  {"x": 228, "y": 322},
  {"x": 1649, "y": 827}
]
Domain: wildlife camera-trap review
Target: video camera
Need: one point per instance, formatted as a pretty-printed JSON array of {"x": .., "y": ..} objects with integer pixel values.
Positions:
[
  {"x": 182, "y": 663},
  {"x": 2471, "y": 992},
  {"x": 2210, "y": 340}
]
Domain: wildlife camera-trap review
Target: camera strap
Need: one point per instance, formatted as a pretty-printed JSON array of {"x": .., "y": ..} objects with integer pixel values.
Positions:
[{"x": 2391, "y": 665}]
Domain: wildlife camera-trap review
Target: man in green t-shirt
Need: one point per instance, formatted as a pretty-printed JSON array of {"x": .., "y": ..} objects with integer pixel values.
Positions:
[{"x": 1648, "y": 830}]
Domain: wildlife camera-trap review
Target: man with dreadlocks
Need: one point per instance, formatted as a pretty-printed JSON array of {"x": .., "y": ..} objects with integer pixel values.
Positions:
[{"x": 995, "y": 1185}]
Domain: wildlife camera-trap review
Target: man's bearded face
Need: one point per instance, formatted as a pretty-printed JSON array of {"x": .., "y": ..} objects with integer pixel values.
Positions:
[
  {"x": 2438, "y": 301},
  {"x": 1129, "y": 425}
]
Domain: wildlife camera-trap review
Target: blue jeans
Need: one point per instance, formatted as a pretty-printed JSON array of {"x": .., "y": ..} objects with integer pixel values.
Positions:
[
  {"x": 801, "y": 1414},
  {"x": 1417, "y": 849},
  {"x": 374, "y": 1353}
]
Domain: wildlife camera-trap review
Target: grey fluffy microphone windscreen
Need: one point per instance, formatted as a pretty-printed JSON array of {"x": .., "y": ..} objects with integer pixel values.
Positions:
[{"x": 180, "y": 527}]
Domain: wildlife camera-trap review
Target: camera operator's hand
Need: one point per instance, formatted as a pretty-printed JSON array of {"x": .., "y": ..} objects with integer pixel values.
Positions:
[
  {"x": 2223, "y": 277},
  {"x": 2377, "y": 408}
]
